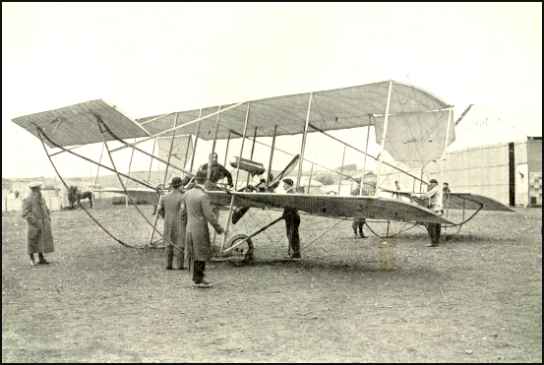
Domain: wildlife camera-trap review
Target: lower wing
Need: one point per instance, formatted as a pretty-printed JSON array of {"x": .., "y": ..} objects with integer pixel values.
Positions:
[{"x": 333, "y": 206}]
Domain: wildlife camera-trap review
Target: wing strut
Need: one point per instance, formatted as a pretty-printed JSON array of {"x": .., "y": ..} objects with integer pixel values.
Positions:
[
  {"x": 303, "y": 147},
  {"x": 43, "y": 136},
  {"x": 385, "y": 124},
  {"x": 231, "y": 206},
  {"x": 368, "y": 154},
  {"x": 196, "y": 141},
  {"x": 104, "y": 128}
]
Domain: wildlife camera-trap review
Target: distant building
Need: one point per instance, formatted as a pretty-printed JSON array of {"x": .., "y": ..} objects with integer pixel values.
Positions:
[
  {"x": 14, "y": 191},
  {"x": 508, "y": 172}
]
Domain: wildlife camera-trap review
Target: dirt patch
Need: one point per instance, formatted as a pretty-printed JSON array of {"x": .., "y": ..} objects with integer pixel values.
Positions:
[{"x": 476, "y": 298}]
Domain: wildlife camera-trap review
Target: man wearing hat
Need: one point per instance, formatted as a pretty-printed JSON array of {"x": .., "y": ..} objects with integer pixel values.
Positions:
[
  {"x": 172, "y": 210},
  {"x": 434, "y": 196},
  {"x": 197, "y": 240},
  {"x": 36, "y": 213},
  {"x": 292, "y": 222}
]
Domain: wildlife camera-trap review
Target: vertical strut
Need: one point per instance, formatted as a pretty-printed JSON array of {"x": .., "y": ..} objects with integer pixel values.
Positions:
[
  {"x": 252, "y": 149},
  {"x": 170, "y": 150},
  {"x": 227, "y": 148},
  {"x": 196, "y": 141},
  {"x": 302, "y": 148},
  {"x": 341, "y": 170},
  {"x": 209, "y": 172},
  {"x": 231, "y": 206},
  {"x": 310, "y": 179},
  {"x": 366, "y": 153},
  {"x": 384, "y": 134},
  {"x": 269, "y": 171}
]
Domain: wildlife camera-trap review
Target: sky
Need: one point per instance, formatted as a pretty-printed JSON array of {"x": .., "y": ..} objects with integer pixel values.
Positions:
[{"x": 153, "y": 58}]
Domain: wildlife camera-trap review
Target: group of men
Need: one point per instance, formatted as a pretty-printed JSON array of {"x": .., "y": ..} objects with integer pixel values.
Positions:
[
  {"x": 186, "y": 216},
  {"x": 434, "y": 199},
  {"x": 187, "y": 213}
]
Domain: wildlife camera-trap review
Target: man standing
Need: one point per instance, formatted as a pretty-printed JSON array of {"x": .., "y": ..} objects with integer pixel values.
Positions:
[
  {"x": 358, "y": 222},
  {"x": 172, "y": 210},
  {"x": 199, "y": 214},
  {"x": 397, "y": 188},
  {"x": 434, "y": 194},
  {"x": 36, "y": 213},
  {"x": 445, "y": 194},
  {"x": 292, "y": 222},
  {"x": 218, "y": 171}
]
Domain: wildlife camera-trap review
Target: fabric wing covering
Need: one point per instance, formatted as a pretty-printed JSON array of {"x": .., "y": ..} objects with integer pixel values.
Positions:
[
  {"x": 334, "y": 109},
  {"x": 180, "y": 150},
  {"x": 417, "y": 138},
  {"x": 76, "y": 124}
]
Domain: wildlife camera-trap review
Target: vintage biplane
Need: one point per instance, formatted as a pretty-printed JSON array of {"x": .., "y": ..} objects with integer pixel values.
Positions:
[{"x": 404, "y": 117}]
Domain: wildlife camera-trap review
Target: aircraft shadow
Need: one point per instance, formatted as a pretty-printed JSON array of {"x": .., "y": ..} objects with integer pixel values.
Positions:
[{"x": 311, "y": 264}]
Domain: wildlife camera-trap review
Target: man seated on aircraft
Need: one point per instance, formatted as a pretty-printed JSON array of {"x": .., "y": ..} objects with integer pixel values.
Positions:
[
  {"x": 358, "y": 222},
  {"x": 218, "y": 171},
  {"x": 434, "y": 194},
  {"x": 292, "y": 222}
]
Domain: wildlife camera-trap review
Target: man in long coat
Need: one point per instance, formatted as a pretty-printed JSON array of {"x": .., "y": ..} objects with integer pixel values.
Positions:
[
  {"x": 199, "y": 214},
  {"x": 39, "y": 235},
  {"x": 172, "y": 210}
]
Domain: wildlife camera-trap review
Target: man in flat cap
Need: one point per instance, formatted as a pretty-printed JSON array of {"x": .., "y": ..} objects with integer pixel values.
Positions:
[
  {"x": 172, "y": 210},
  {"x": 292, "y": 222},
  {"x": 434, "y": 202},
  {"x": 198, "y": 245},
  {"x": 39, "y": 236}
]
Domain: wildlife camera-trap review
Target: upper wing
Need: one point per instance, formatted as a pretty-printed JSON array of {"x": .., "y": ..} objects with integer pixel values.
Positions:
[
  {"x": 76, "y": 124},
  {"x": 335, "y": 206},
  {"x": 333, "y": 109}
]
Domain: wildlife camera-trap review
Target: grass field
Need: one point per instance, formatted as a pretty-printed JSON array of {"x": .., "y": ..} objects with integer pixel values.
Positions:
[{"x": 476, "y": 298}]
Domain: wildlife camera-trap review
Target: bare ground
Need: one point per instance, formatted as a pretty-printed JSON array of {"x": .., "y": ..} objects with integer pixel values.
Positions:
[{"x": 476, "y": 298}]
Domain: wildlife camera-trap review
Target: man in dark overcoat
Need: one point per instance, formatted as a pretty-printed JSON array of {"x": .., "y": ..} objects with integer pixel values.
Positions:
[
  {"x": 198, "y": 245},
  {"x": 39, "y": 235},
  {"x": 172, "y": 210}
]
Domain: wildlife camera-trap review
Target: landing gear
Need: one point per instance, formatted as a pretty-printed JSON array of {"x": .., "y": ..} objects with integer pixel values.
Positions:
[{"x": 243, "y": 253}]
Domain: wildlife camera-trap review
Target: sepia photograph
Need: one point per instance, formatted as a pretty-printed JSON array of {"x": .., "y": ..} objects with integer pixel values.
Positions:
[{"x": 272, "y": 182}]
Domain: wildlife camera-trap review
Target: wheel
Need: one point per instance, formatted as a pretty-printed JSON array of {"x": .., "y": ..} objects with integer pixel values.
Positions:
[{"x": 243, "y": 253}]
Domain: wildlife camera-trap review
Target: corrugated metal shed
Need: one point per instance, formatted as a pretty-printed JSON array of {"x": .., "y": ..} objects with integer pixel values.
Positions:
[{"x": 483, "y": 170}]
